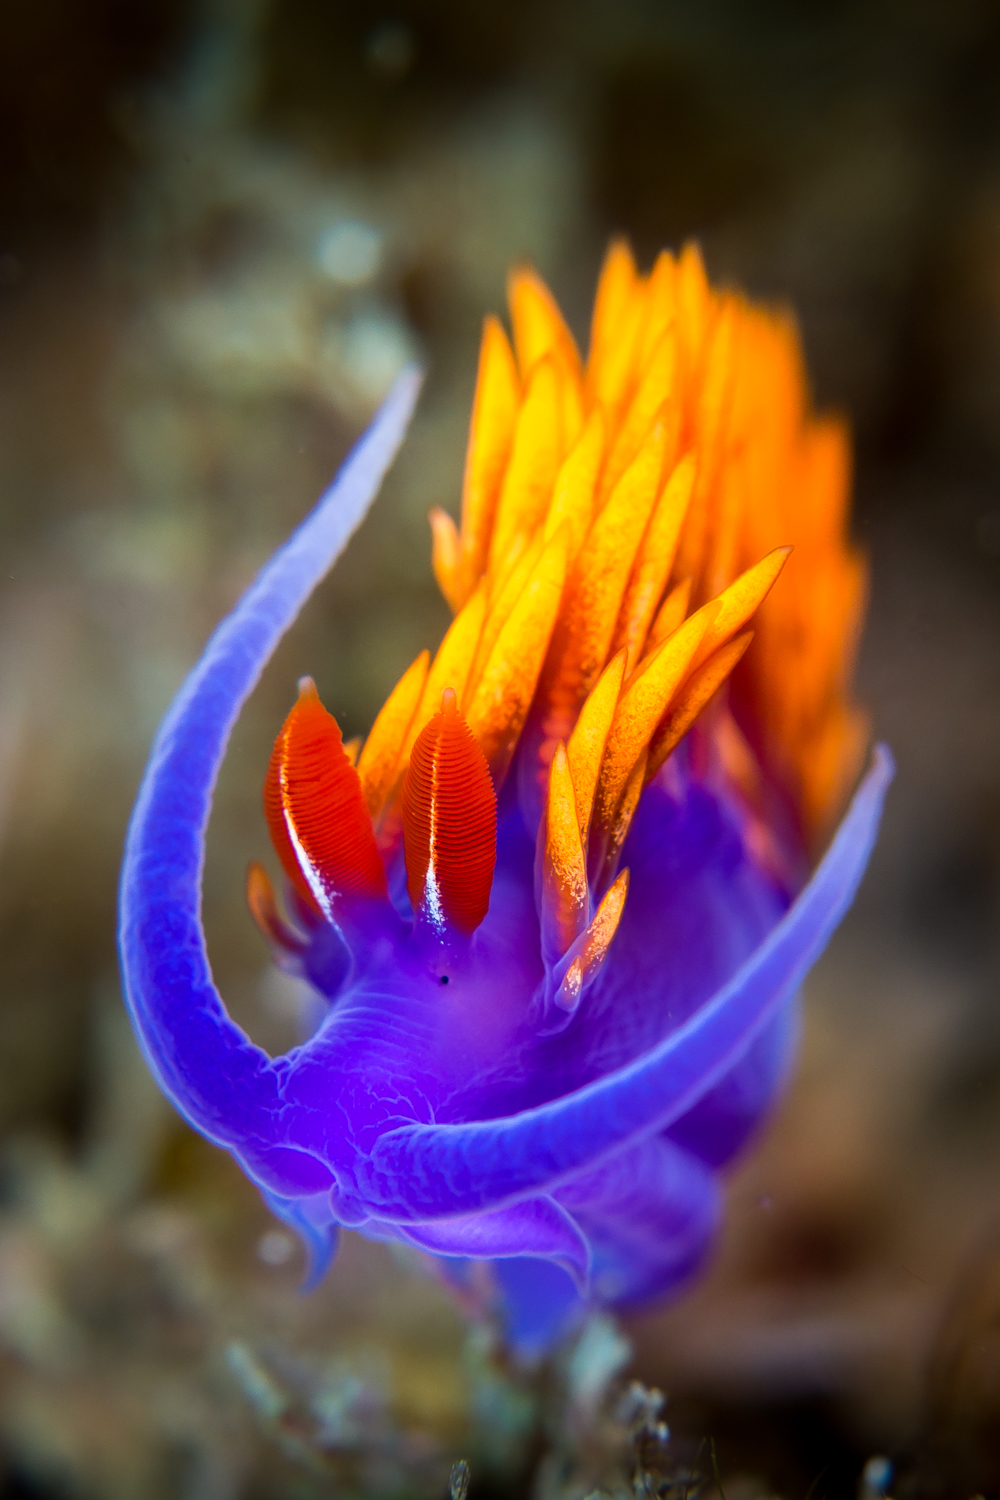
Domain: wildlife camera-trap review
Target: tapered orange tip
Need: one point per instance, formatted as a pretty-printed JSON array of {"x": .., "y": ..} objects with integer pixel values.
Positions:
[
  {"x": 264, "y": 910},
  {"x": 449, "y": 823},
  {"x": 316, "y": 811}
]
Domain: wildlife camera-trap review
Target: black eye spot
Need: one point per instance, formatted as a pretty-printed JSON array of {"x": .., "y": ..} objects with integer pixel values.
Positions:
[{"x": 444, "y": 979}]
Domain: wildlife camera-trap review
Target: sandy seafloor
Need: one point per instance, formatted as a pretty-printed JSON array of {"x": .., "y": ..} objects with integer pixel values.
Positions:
[{"x": 223, "y": 229}]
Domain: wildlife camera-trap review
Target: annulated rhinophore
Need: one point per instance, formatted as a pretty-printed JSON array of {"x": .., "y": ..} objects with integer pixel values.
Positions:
[{"x": 559, "y": 902}]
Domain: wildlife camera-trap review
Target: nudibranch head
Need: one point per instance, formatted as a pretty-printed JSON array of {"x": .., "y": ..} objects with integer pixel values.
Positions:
[{"x": 557, "y": 902}]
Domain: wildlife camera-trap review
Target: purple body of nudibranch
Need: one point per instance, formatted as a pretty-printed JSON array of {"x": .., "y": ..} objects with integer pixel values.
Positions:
[{"x": 581, "y": 1160}]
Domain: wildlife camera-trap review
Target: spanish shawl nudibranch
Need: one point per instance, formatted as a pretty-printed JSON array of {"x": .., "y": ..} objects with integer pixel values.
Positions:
[{"x": 559, "y": 903}]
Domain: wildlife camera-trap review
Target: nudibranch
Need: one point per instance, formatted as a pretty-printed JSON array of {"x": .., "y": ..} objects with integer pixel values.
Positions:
[{"x": 560, "y": 903}]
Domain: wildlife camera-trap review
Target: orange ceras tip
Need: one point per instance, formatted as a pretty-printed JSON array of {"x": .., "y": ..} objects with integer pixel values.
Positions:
[
  {"x": 316, "y": 811},
  {"x": 449, "y": 823},
  {"x": 264, "y": 910}
]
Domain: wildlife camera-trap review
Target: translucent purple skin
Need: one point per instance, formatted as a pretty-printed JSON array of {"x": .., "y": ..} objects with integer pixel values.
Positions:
[{"x": 580, "y": 1158}]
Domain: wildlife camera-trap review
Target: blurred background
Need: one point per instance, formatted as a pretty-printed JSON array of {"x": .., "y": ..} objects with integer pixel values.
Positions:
[{"x": 225, "y": 225}]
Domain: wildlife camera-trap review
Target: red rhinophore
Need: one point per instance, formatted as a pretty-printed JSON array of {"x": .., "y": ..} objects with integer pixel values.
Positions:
[
  {"x": 449, "y": 822},
  {"x": 313, "y": 799}
]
